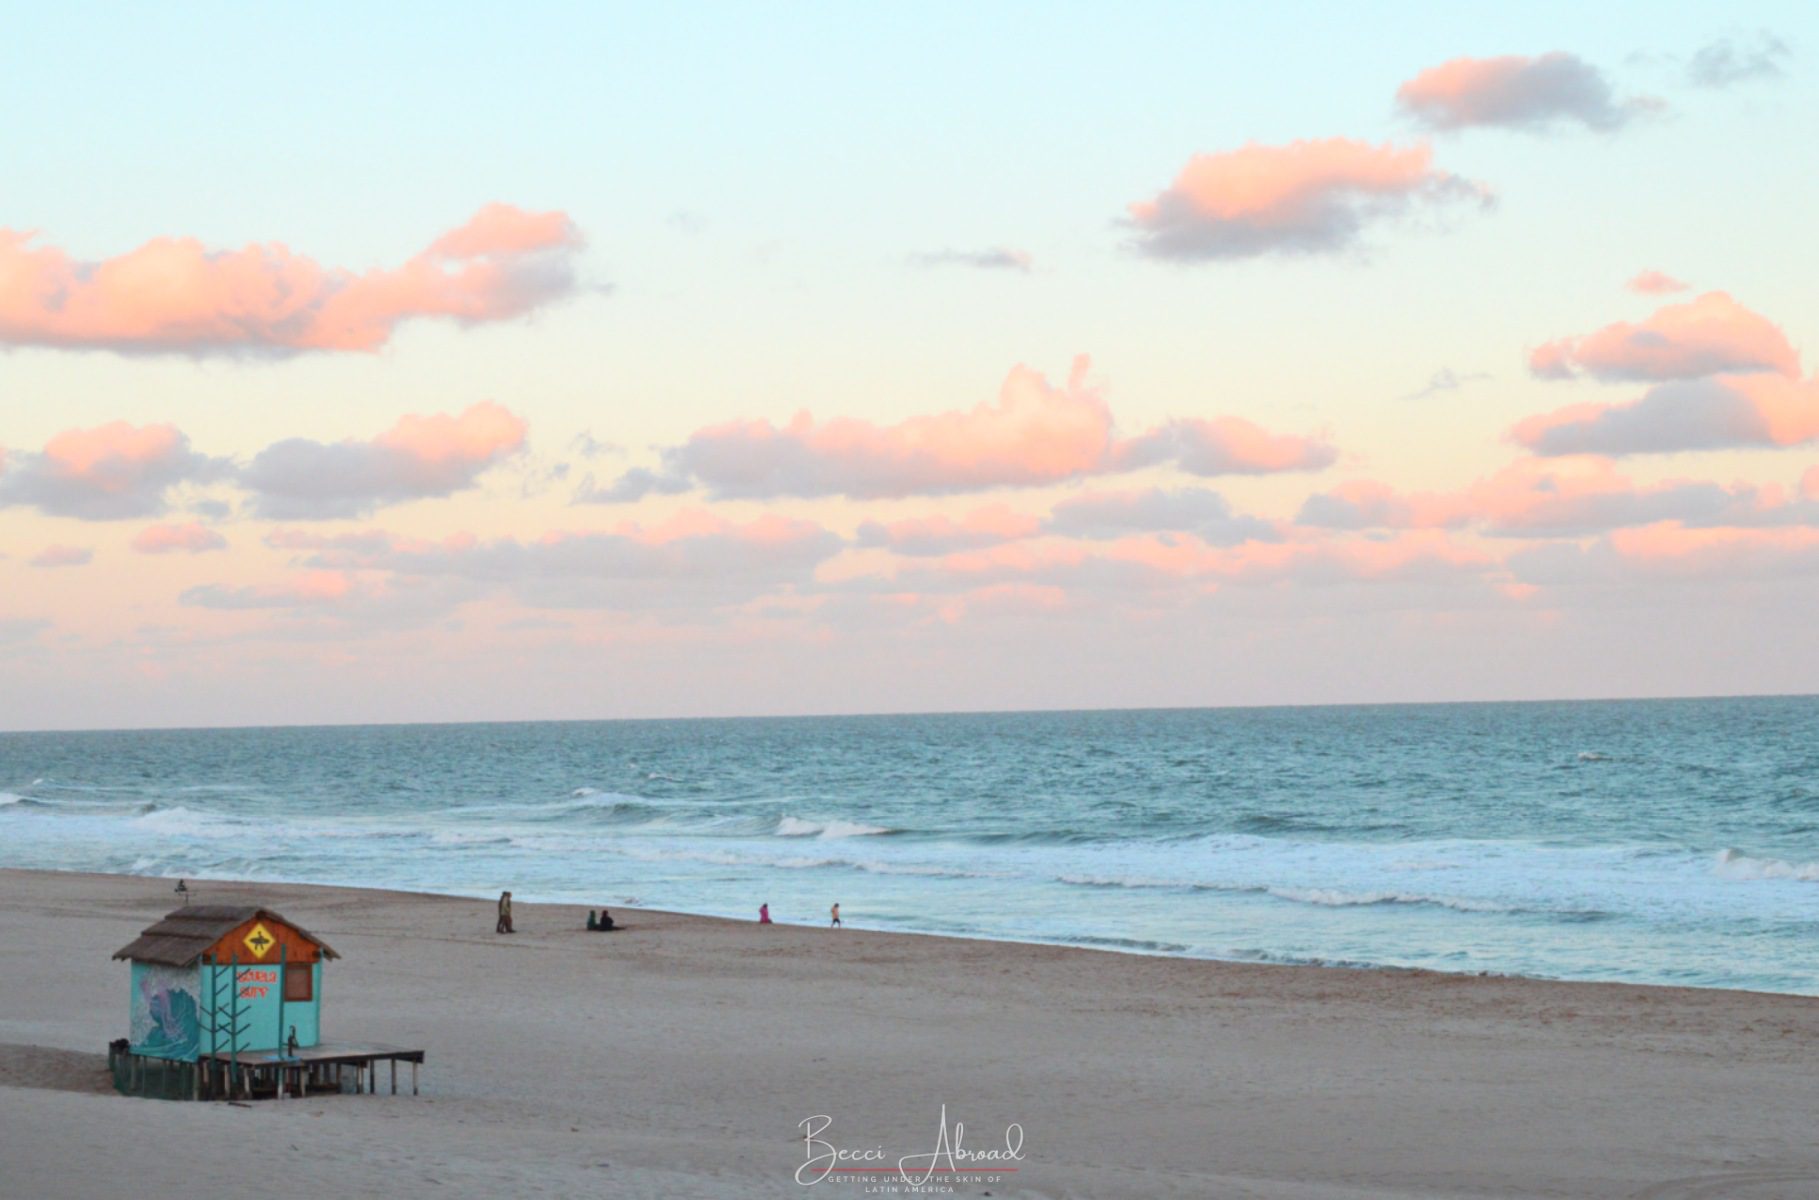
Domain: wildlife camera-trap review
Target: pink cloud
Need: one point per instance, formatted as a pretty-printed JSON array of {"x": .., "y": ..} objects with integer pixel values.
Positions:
[
  {"x": 1303, "y": 198},
  {"x": 189, "y": 539},
  {"x": 693, "y": 560},
  {"x": 1514, "y": 92},
  {"x": 1147, "y": 563},
  {"x": 1537, "y": 498},
  {"x": 308, "y": 589},
  {"x": 1730, "y": 411},
  {"x": 1368, "y": 504},
  {"x": 62, "y": 556},
  {"x": 418, "y": 457},
  {"x": 1410, "y": 557},
  {"x": 111, "y": 471},
  {"x": 1655, "y": 283},
  {"x": 1705, "y": 336},
  {"x": 1033, "y": 434},
  {"x": 174, "y": 296},
  {"x": 1197, "y": 511},
  {"x": 1672, "y": 553},
  {"x": 1224, "y": 446},
  {"x": 943, "y": 535}
]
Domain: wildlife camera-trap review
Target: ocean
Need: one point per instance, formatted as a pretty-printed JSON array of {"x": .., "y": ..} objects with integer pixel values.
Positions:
[{"x": 1671, "y": 841}]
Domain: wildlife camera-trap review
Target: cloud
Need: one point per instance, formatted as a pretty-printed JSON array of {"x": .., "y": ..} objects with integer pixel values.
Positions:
[
  {"x": 1308, "y": 197},
  {"x": 944, "y": 535},
  {"x": 1513, "y": 92},
  {"x": 311, "y": 589},
  {"x": 360, "y": 548},
  {"x": 14, "y": 630},
  {"x": 633, "y": 485},
  {"x": 998, "y": 258},
  {"x": 1655, "y": 283},
  {"x": 1668, "y": 553},
  {"x": 1535, "y": 498},
  {"x": 1033, "y": 434},
  {"x": 1367, "y": 504},
  {"x": 62, "y": 556},
  {"x": 1727, "y": 62},
  {"x": 110, "y": 472},
  {"x": 694, "y": 560},
  {"x": 1445, "y": 380},
  {"x": 174, "y": 296},
  {"x": 1222, "y": 446},
  {"x": 1151, "y": 563},
  {"x": 189, "y": 539},
  {"x": 417, "y": 458},
  {"x": 1197, "y": 511},
  {"x": 1704, "y": 336},
  {"x": 1730, "y": 411}
]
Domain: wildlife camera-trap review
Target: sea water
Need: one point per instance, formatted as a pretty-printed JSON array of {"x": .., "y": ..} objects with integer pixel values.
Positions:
[{"x": 1651, "y": 841}]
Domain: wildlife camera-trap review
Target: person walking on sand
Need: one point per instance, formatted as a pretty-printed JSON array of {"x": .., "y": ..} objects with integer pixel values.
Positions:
[
  {"x": 505, "y": 914},
  {"x": 836, "y": 911},
  {"x": 764, "y": 914}
]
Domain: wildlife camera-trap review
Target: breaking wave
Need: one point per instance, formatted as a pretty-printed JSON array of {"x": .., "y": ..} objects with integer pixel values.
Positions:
[
  {"x": 797, "y": 827},
  {"x": 1734, "y": 864}
]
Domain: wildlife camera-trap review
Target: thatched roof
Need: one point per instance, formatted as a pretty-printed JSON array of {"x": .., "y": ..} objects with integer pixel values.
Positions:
[{"x": 184, "y": 935}]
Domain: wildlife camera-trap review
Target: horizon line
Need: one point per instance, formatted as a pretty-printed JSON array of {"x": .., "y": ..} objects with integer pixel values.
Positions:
[{"x": 877, "y": 714}]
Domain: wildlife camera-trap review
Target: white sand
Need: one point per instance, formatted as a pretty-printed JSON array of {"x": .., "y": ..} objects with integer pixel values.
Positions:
[{"x": 678, "y": 1057}]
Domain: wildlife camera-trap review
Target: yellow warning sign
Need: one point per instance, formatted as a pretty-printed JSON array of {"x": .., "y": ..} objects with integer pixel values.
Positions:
[{"x": 260, "y": 940}]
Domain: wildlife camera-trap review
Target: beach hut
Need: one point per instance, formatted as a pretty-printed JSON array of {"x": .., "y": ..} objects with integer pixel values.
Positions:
[
  {"x": 223, "y": 979},
  {"x": 226, "y": 1000}
]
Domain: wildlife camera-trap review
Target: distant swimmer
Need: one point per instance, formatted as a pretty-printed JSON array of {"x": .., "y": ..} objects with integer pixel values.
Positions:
[
  {"x": 836, "y": 911},
  {"x": 764, "y": 914}
]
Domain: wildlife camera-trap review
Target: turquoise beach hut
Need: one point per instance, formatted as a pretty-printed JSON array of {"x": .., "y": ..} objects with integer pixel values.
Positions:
[{"x": 221, "y": 980}]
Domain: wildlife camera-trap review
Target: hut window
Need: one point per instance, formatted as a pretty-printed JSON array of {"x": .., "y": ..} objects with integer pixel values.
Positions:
[{"x": 298, "y": 984}]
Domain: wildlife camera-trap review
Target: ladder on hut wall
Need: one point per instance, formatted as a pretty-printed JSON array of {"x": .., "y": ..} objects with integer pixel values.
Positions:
[{"x": 223, "y": 1022}]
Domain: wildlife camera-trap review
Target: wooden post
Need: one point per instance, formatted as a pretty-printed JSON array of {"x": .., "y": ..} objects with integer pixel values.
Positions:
[
  {"x": 394, "y": 1077},
  {"x": 413, "y": 1078}
]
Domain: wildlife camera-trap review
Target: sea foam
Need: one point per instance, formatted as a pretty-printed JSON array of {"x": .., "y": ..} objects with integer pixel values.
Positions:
[
  {"x": 1734, "y": 864},
  {"x": 797, "y": 827}
]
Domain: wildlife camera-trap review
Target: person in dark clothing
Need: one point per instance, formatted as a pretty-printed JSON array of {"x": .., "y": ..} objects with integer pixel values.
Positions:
[
  {"x": 505, "y": 914},
  {"x": 606, "y": 921}
]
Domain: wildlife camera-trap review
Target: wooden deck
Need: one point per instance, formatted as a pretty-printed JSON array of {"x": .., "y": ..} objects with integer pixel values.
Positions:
[{"x": 320, "y": 1067}]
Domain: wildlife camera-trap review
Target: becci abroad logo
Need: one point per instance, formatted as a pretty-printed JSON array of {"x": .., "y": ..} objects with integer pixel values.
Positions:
[{"x": 933, "y": 1171}]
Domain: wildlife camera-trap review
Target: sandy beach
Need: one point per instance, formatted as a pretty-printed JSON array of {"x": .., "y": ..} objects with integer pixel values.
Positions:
[{"x": 680, "y": 1057}]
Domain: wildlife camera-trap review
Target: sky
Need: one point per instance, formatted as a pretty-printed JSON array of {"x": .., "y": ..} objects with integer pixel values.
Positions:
[{"x": 586, "y": 361}]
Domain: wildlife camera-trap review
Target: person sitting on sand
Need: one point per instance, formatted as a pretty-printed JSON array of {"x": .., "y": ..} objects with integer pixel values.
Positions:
[
  {"x": 593, "y": 920},
  {"x": 764, "y": 914},
  {"x": 606, "y": 921},
  {"x": 836, "y": 914},
  {"x": 505, "y": 914}
]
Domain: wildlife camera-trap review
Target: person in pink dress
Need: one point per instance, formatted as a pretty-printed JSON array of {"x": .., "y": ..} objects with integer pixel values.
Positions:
[{"x": 764, "y": 914}]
